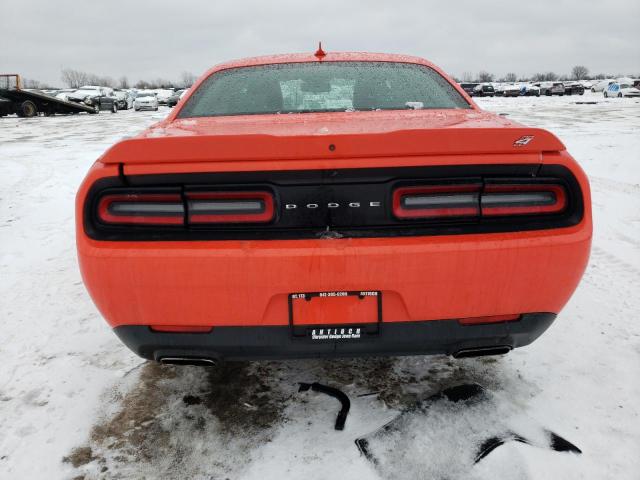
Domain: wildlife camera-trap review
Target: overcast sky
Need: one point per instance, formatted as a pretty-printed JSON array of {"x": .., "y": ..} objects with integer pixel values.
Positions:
[{"x": 161, "y": 38}]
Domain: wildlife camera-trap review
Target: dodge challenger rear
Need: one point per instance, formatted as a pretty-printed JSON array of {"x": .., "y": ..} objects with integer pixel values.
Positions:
[{"x": 336, "y": 204}]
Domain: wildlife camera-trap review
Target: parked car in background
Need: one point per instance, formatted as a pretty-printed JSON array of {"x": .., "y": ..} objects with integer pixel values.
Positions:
[
  {"x": 145, "y": 101},
  {"x": 484, "y": 90},
  {"x": 469, "y": 87},
  {"x": 173, "y": 100},
  {"x": 101, "y": 98},
  {"x": 64, "y": 93},
  {"x": 529, "y": 90},
  {"x": 552, "y": 88},
  {"x": 510, "y": 90},
  {"x": 601, "y": 85},
  {"x": 125, "y": 99},
  {"x": 573, "y": 88},
  {"x": 163, "y": 94},
  {"x": 620, "y": 90}
]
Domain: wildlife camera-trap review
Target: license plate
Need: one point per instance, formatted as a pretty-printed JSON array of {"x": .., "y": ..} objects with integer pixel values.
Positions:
[{"x": 335, "y": 315}]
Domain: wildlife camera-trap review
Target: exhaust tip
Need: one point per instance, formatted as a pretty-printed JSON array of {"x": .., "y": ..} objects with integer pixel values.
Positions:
[
  {"x": 198, "y": 361},
  {"x": 482, "y": 351}
]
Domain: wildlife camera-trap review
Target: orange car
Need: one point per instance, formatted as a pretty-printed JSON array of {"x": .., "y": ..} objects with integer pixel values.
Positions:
[{"x": 335, "y": 204}]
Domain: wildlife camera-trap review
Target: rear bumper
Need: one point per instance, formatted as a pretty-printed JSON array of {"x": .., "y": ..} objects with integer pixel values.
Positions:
[{"x": 277, "y": 342}]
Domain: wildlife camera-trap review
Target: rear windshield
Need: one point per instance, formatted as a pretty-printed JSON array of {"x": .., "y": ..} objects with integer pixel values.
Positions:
[{"x": 321, "y": 87}]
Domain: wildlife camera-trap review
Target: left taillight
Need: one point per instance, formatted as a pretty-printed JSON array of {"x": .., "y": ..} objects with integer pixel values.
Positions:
[
  {"x": 185, "y": 208},
  {"x": 141, "y": 209}
]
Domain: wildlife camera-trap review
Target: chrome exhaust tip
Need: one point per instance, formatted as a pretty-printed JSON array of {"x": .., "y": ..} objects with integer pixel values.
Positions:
[
  {"x": 199, "y": 361},
  {"x": 482, "y": 351}
]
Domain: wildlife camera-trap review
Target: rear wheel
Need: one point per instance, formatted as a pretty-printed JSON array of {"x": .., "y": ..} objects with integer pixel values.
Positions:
[
  {"x": 605, "y": 95},
  {"x": 27, "y": 109},
  {"x": 620, "y": 95},
  {"x": 114, "y": 108}
]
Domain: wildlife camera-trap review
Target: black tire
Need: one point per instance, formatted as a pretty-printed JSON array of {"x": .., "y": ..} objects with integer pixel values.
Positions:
[
  {"x": 605, "y": 94},
  {"x": 620, "y": 95},
  {"x": 156, "y": 109},
  {"x": 27, "y": 109},
  {"x": 114, "y": 107}
]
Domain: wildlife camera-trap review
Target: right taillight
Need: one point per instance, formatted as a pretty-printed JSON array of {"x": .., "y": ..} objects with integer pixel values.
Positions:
[
  {"x": 476, "y": 200},
  {"x": 522, "y": 199}
]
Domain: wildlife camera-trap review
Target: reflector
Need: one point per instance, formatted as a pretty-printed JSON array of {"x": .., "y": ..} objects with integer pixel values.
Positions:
[{"x": 488, "y": 319}]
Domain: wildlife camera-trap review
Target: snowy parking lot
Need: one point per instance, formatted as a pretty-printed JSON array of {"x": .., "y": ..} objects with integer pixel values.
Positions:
[{"x": 75, "y": 403}]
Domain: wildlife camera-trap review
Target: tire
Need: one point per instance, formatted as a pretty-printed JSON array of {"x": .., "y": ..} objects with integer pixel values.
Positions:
[
  {"x": 619, "y": 95},
  {"x": 27, "y": 109},
  {"x": 114, "y": 107},
  {"x": 137, "y": 109},
  {"x": 605, "y": 95},
  {"x": 593, "y": 90},
  {"x": 156, "y": 109}
]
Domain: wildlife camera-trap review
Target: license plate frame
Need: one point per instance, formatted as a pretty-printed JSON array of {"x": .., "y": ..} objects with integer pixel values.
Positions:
[{"x": 306, "y": 331}]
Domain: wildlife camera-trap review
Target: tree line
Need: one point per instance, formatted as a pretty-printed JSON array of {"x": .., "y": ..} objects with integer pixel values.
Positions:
[
  {"x": 76, "y": 78},
  {"x": 579, "y": 72}
]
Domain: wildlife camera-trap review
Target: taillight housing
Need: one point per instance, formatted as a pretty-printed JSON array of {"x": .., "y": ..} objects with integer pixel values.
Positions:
[{"x": 340, "y": 203}]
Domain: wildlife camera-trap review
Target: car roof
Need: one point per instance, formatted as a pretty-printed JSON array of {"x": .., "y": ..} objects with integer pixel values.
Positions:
[{"x": 329, "y": 57}]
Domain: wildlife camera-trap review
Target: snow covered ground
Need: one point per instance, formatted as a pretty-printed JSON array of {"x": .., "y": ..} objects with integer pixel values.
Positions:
[{"x": 75, "y": 403}]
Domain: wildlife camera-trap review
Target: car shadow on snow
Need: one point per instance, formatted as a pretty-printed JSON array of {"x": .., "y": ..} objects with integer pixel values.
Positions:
[{"x": 207, "y": 422}]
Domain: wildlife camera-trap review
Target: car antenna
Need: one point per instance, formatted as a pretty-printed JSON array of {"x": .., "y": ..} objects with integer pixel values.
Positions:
[{"x": 320, "y": 54}]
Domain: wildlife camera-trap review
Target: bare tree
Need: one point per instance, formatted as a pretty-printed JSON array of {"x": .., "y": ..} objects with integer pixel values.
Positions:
[
  {"x": 467, "y": 77},
  {"x": 187, "y": 79},
  {"x": 74, "y": 78},
  {"x": 510, "y": 77},
  {"x": 123, "y": 82},
  {"x": 142, "y": 85},
  {"x": 579, "y": 72},
  {"x": 36, "y": 84},
  {"x": 485, "y": 77}
]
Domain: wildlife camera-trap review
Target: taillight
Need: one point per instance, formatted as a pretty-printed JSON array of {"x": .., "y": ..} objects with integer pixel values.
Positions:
[
  {"x": 141, "y": 209},
  {"x": 522, "y": 199},
  {"x": 478, "y": 200},
  {"x": 437, "y": 201},
  {"x": 201, "y": 208},
  {"x": 229, "y": 207}
]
